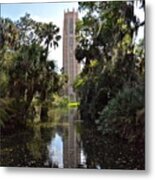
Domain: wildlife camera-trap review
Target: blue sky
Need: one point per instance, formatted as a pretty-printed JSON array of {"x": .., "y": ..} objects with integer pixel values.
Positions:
[
  {"x": 44, "y": 12},
  {"x": 56, "y": 150}
]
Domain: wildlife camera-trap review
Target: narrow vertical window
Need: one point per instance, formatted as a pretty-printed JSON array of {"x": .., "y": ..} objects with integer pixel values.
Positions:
[{"x": 71, "y": 26}]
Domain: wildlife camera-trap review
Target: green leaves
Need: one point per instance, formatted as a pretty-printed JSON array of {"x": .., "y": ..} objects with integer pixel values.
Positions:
[
  {"x": 121, "y": 113},
  {"x": 6, "y": 108},
  {"x": 24, "y": 65},
  {"x": 111, "y": 85}
]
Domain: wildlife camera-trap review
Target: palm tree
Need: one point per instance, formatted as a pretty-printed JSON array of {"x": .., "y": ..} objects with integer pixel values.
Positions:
[{"x": 49, "y": 36}]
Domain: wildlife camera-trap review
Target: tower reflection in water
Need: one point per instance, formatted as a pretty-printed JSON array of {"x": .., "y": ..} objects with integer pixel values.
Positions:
[{"x": 65, "y": 148}]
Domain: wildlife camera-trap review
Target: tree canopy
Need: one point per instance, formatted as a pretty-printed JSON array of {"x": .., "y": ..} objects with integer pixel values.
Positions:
[
  {"x": 26, "y": 70},
  {"x": 111, "y": 84}
]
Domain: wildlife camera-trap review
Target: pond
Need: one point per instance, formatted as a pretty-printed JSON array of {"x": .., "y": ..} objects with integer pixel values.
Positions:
[
  {"x": 65, "y": 141},
  {"x": 55, "y": 143}
]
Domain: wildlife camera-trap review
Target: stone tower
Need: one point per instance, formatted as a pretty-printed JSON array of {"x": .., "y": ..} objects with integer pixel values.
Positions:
[{"x": 70, "y": 64}]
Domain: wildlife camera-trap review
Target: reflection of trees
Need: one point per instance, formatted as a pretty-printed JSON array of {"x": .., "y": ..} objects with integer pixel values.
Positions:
[
  {"x": 35, "y": 144},
  {"x": 31, "y": 148},
  {"x": 109, "y": 152},
  {"x": 22, "y": 150},
  {"x": 14, "y": 151},
  {"x": 56, "y": 117},
  {"x": 37, "y": 147},
  {"x": 65, "y": 127}
]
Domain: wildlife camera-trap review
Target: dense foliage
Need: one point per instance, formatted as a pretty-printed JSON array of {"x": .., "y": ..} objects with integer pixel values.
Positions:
[
  {"x": 27, "y": 74},
  {"x": 111, "y": 84},
  {"x": 110, "y": 88}
]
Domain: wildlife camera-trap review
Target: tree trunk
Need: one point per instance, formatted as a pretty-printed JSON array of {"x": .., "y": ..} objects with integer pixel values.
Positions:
[{"x": 44, "y": 108}]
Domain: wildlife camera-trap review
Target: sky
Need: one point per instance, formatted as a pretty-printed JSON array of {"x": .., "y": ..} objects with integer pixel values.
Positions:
[
  {"x": 141, "y": 15},
  {"x": 44, "y": 12},
  {"x": 56, "y": 150}
]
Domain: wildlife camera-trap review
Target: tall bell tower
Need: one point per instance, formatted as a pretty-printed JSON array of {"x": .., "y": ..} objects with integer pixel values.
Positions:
[{"x": 70, "y": 64}]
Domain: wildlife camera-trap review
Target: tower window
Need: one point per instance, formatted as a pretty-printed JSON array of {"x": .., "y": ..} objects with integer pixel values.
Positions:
[{"x": 71, "y": 26}]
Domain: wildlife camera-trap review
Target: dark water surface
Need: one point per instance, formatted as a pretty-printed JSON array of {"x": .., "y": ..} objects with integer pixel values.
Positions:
[
  {"x": 56, "y": 143},
  {"x": 67, "y": 142}
]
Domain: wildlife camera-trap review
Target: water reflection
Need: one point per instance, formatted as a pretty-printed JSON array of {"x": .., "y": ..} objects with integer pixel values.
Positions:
[
  {"x": 71, "y": 142},
  {"x": 104, "y": 152},
  {"x": 65, "y": 147},
  {"x": 55, "y": 149},
  {"x": 56, "y": 143},
  {"x": 66, "y": 142}
]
